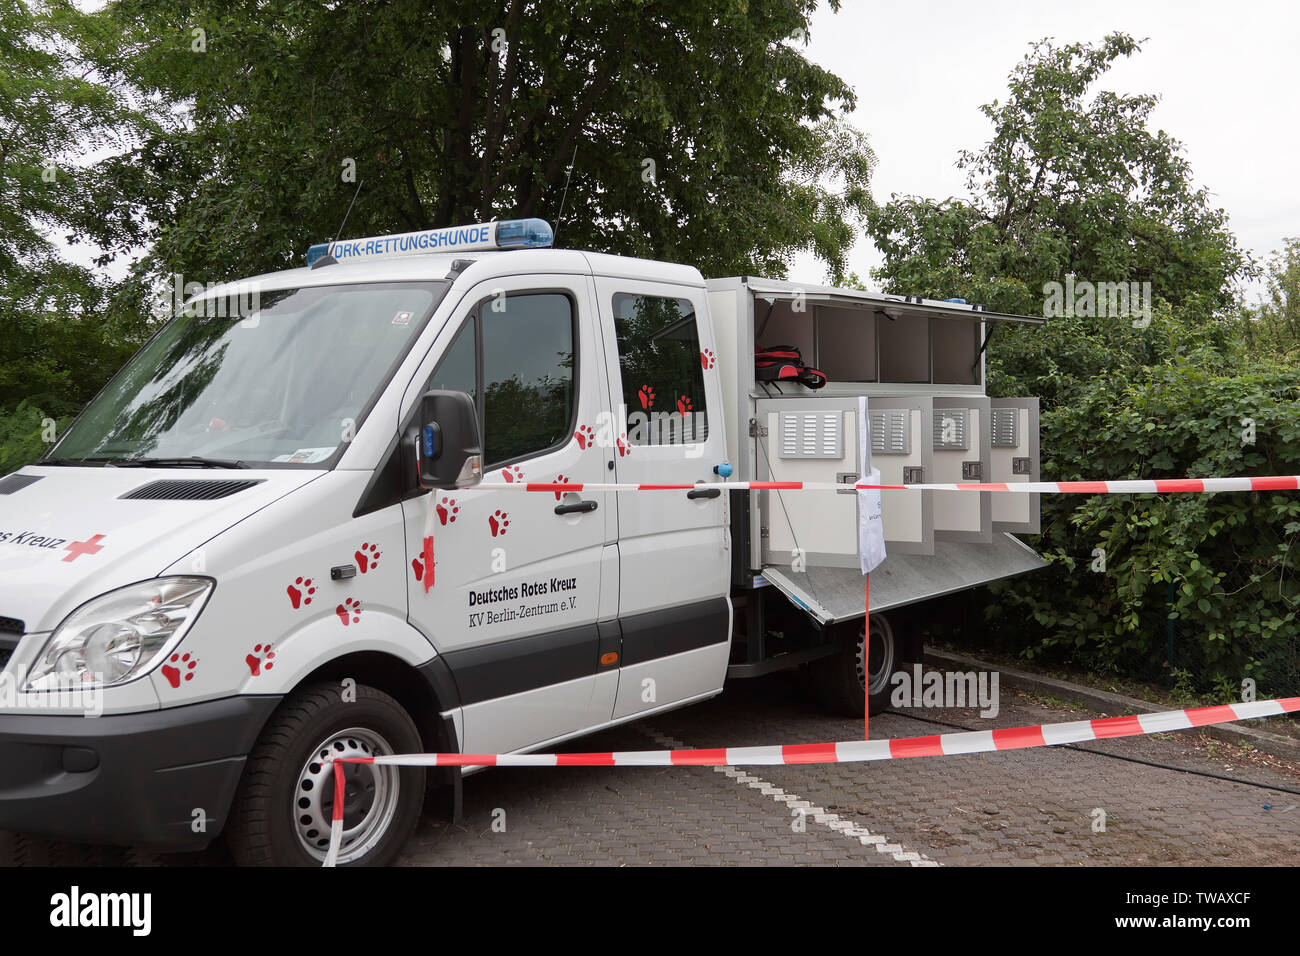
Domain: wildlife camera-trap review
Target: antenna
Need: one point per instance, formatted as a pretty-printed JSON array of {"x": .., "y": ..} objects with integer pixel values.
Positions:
[
  {"x": 339, "y": 235},
  {"x": 567, "y": 176}
]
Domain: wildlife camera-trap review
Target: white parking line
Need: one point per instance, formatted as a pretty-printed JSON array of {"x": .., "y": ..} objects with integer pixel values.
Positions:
[{"x": 847, "y": 828}]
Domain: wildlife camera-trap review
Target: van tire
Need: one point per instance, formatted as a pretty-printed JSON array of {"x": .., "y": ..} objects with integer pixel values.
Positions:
[
  {"x": 264, "y": 825},
  {"x": 837, "y": 679}
]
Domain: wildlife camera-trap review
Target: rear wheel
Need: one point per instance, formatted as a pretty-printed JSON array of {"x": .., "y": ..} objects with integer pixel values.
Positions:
[
  {"x": 842, "y": 679},
  {"x": 282, "y": 812}
]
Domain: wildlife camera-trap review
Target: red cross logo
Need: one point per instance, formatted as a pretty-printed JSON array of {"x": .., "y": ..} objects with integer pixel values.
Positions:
[{"x": 78, "y": 548}]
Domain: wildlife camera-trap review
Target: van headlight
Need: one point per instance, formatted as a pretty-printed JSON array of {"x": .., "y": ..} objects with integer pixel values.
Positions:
[{"x": 118, "y": 636}]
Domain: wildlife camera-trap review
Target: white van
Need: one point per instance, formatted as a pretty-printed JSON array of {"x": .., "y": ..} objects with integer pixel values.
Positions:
[{"x": 219, "y": 573}]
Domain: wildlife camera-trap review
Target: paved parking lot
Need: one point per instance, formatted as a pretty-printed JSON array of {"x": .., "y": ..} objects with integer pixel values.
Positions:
[{"x": 1028, "y": 807}]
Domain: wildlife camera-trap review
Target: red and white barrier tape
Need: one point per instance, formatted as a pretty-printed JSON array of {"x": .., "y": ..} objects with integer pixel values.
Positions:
[
  {"x": 845, "y": 751},
  {"x": 1124, "y": 487}
]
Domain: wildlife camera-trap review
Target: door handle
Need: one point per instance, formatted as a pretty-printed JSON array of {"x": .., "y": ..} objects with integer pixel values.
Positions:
[
  {"x": 703, "y": 493},
  {"x": 576, "y": 507}
]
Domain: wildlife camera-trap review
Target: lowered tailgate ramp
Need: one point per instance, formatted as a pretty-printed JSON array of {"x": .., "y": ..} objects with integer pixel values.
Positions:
[{"x": 830, "y": 595}]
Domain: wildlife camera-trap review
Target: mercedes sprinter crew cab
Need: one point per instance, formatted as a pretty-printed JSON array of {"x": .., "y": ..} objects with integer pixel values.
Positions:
[{"x": 262, "y": 543}]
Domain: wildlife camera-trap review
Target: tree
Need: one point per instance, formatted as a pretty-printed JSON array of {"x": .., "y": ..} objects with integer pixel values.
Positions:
[
  {"x": 1073, "y": 182},
  {"x": 694, "y": 131},
  {"x": 54, "y": 114},
  {"x": 1274, "y": 325}
]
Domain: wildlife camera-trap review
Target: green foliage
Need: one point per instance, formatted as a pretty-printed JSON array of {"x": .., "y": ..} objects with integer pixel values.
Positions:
[
  {"x": 1227, "y": 560},
  {"x": 23, "y": 432},
  {"x": 56, "y": 344},
  {"x": 52, "y": 115},
  {"x": 461, "y": 112},
  {"x": 1054, "y": 361},
  {"x": 1274, "y": 327}
]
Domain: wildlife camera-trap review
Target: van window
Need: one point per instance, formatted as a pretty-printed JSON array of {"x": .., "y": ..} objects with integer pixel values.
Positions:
[
  {"x": 661, "y": 367},
  {"x": 457, "y": 371},
  {"x": 521, "y": 347},
  {"x": 283, "y": 378}
]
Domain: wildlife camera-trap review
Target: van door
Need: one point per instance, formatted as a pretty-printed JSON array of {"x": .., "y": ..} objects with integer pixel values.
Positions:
[
  {"x": 673, "y": 596},
  {"x": 516, "y": 592}
]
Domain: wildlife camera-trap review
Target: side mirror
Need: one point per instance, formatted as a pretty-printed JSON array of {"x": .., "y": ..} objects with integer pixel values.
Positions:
[{"x": 448, "y": 450}]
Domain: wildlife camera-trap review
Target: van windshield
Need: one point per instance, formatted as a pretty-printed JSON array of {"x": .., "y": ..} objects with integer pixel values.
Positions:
[{"x": 276, "y": 378}]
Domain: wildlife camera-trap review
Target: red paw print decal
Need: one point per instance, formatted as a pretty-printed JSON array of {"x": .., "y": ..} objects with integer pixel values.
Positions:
[
  {"x": 498, "y": 521},
  {"x": 647, "y": 396},
  {"x": 707, "y": 359},
  {"x": 586, "y": 437},
  {"x": 349, "y": 612},
  {"x": 446, "y": 511},
  {"x": 179, "y": 667},
  {"x": 683, "y": 406},
  {"x": 262, "y": 659},
  {"x": 624, "y": 447},
  {"x": 512, "y": 474},
  {"x": 300, "y": 592},
  {"x": 368, "y": 557},
  {"x": 560, "y": 480},
  {"x": 417, "y": 568}
]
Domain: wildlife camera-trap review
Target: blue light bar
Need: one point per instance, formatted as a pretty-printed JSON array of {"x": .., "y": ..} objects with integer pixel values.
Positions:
[
  {"x": 477, "y": 237},
  {"x": 524, "y": 233}
]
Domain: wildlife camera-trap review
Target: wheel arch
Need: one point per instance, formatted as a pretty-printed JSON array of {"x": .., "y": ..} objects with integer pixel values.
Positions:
[{"x": 425, "y": 692}]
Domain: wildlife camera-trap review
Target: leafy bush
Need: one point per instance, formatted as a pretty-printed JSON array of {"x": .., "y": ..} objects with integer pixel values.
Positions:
[
  {"x": 1219, "y": 566},
  {"x": 23, "y": 433}
]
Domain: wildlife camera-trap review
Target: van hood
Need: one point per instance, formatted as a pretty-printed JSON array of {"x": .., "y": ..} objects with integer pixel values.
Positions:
[{"x": 69, "y": 534}]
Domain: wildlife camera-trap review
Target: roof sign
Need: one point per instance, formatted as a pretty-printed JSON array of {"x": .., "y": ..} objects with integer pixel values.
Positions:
[{"x": 477, "y": 237}]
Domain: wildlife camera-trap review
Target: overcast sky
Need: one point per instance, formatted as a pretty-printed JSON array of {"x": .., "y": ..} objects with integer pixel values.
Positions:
[{"x": 1226, "y": 73}]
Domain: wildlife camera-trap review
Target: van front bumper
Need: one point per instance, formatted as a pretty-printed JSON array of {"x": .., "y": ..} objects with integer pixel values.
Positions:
[{"x": 161, "y": 780}]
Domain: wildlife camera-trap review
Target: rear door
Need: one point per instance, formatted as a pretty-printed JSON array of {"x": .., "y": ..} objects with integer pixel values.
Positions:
[
  {"x": 517, "y": 585},
  {"x": 673, "y": 605}
]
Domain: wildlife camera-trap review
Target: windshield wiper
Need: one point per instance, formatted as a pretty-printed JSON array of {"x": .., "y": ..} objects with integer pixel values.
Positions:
[
  {"x": 193, "y": 461},
  {"x": 73, "y": 462}
]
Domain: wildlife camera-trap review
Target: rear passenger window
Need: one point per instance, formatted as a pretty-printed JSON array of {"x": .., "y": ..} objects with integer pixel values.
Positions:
[
  {"x": 660, "y": 364},
  {"x": 516, "y": 359}
]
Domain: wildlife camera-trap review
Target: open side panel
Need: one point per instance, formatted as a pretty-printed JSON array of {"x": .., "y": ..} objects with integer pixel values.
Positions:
[
  {"x": 829, "y": 595},
  {"x": 960, "y": 438},
  {"x": 1014, "y": 440}
]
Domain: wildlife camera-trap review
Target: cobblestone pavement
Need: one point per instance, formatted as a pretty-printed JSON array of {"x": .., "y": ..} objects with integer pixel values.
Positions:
[{"x": 1025, "y": 807}]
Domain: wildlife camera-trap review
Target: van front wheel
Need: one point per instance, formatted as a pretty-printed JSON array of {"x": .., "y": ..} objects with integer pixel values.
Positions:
[{"x": 284, "y": 806}]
